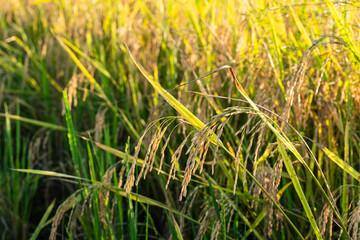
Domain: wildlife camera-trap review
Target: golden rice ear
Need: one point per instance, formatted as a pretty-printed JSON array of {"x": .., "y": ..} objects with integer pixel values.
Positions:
[
  {"x": 67, "y": 204},
  {"x": 220, "y": 130},
  {"x": 354, "y": 221},
  {"x": 155, "y": 148},
  {"x": 326, "y": 215},
  {"x": 164, "y": 148},
  {"x": 146, "y": 159},
  {"x": 206, "y": 147},
  {"x": 131, "y": 174},
  {"x": 174, "y": 160}
]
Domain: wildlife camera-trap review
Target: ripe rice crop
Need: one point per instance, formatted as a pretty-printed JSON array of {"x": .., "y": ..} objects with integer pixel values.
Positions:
[{"x": 179, "y": 119}]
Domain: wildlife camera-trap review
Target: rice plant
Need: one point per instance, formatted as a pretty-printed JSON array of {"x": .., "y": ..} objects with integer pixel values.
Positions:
[{"x": 179, "y": 119}]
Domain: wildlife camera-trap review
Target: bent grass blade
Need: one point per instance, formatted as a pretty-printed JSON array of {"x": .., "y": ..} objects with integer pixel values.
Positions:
[{"x": 133, "y": 196}]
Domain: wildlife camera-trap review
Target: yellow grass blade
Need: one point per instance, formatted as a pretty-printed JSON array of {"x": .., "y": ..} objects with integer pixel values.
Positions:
[
  {"x": 181, "y": 109},
  {"x": 342, "y": 164},
  {"x": 189, "y": 116},
  {"x": 82, "y": 68}
]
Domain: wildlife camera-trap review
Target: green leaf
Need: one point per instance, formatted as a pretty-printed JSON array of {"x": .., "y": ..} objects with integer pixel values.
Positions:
[
  {"x": 290, "y": 169},
  {"x": 71, "y": 136},
  {"x": 34, "y": 122},
  {"x": 43, "y": 220}
]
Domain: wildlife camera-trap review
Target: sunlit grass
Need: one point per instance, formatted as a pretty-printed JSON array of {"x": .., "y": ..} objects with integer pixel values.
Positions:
[{"x": 179, "y": 119}]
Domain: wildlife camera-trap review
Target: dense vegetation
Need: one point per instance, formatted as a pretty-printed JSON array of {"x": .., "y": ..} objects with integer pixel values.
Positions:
[{"x": 179, "y": 119}]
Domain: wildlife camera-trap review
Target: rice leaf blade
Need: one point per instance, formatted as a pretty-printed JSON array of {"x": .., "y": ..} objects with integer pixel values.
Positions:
[
  {"x": 290, "y": 169},
  {"x": 342, "y": 164},
  {"x": 43, "y": 220},
  {"x": 71, "y": 136}
]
